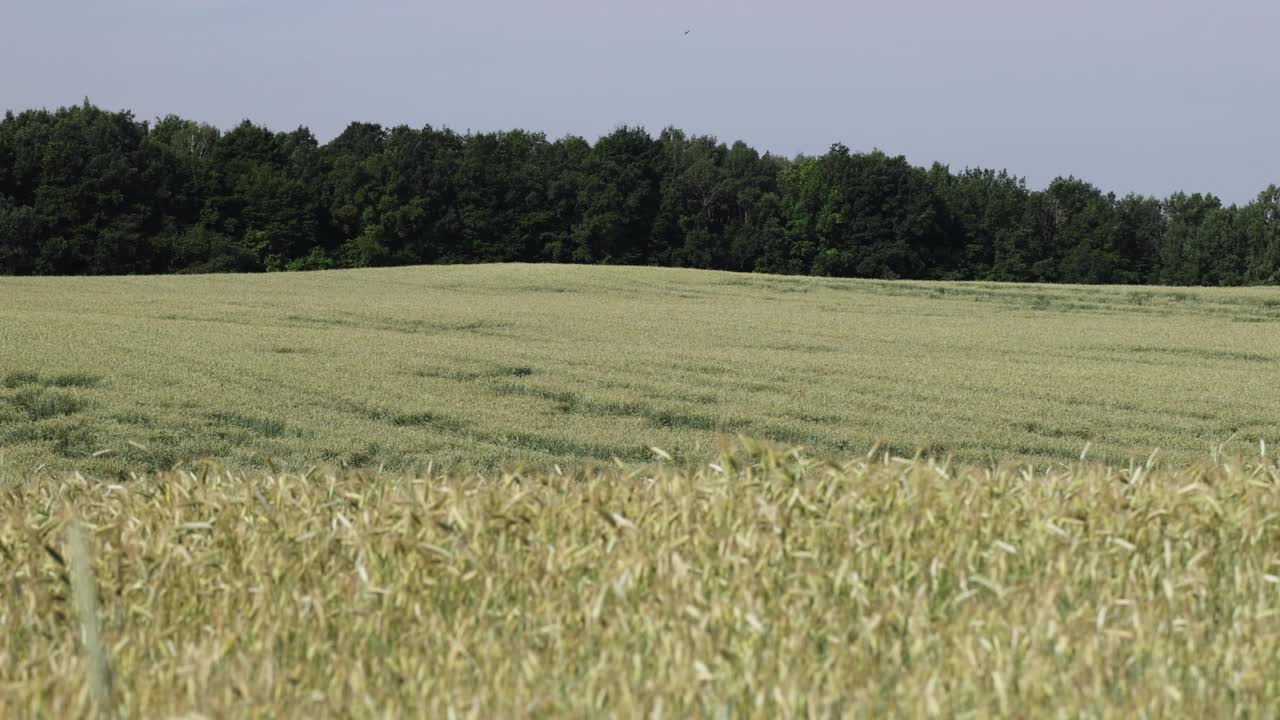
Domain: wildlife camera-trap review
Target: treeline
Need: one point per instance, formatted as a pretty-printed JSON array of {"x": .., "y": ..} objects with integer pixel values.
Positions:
[{"x": 87, "y": 191}]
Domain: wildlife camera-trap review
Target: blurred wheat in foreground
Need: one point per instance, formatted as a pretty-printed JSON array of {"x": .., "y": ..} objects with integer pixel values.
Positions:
[{"x": 765, "y": 584}]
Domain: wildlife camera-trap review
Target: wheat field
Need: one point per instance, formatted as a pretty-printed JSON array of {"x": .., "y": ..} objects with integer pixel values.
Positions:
[
  {"x": 766, "y": 584},
  {"x": 489, "y": 367},
  {"x": 508, "y": 491}
]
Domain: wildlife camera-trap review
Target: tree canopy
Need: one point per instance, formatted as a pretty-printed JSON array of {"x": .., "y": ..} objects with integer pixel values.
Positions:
[{"x": 88, "y": 191}]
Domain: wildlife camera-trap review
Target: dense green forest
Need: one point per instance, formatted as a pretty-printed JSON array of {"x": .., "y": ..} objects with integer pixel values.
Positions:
[{"x": 88, "y": 191}]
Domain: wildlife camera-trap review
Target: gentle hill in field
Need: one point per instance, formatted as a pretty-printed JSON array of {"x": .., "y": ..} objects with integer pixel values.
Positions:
[{"x": 478, "y": 367}]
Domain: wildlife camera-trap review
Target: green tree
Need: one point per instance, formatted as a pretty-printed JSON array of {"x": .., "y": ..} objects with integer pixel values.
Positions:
[
  {"x": 87, "y": 191},
  {"x": 696, "y": 203},
  {"x": 985, "y": 210},
  {"x": 872, "y": 215},
  {"x": 618, "y": 200},
  {"x": 1259, "y": 224},
  {"x": 84, "y": 186},
  {"x": 563, "y": 169},
  {"x": 1183, "y": 256},
  {"x": 1140, "y": 231},
  {"x": 354, "y": 186}
]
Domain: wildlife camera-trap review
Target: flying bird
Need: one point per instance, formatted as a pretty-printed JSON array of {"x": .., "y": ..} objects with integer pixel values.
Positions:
[{"x": 686, "y": 32}]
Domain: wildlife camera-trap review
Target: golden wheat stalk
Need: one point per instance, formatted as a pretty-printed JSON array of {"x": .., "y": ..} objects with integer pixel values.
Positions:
[{"x": 86, "y": 600}]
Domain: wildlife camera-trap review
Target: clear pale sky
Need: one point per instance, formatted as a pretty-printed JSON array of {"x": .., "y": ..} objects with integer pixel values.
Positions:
[{"x": 1134, "y": 95}]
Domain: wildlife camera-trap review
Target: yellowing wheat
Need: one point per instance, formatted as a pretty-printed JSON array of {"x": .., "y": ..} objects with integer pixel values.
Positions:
[{"x": 767, "y": 585}]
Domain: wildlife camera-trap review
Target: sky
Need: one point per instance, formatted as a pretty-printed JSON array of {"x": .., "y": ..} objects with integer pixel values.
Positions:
[{"x": 1147, "y": 96}]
